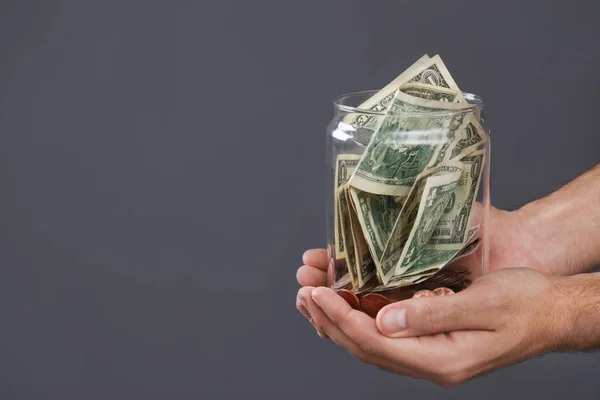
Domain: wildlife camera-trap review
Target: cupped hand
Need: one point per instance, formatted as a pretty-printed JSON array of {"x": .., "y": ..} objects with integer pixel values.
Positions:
[
  {"x": 513, "y": 244},
  {"x": 502, "y": 318}
]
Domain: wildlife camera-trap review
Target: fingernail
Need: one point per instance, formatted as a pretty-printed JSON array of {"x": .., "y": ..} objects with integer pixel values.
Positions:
[
  {"x": 304, "y": 312},
  {"x": 394, "y": 320},
  {"x": 315, "y": 299}
]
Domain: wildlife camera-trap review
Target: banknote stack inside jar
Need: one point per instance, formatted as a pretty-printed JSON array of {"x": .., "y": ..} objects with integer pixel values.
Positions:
[{"x": 405, "y": 204}]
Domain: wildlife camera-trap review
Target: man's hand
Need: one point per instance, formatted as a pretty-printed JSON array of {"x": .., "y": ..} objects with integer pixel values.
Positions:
[
  {"x": 516, "y": 240},
  {"x": 502, "y": 318}
]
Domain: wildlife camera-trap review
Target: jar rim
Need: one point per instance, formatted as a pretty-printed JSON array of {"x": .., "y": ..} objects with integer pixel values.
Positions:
[{"x": 340, "y": 103}]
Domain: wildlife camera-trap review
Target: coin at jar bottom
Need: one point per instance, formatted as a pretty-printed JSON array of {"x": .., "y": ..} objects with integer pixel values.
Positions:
[
  {"x": 350, "y": 298},
  {"x": 424, "y": 293},
  {"x": 373, "y": 302},
  {"x": 443, "y": 291}
]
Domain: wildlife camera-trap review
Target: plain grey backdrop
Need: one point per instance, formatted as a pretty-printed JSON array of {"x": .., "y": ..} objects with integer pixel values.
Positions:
[{"x": 161, "y": 173}]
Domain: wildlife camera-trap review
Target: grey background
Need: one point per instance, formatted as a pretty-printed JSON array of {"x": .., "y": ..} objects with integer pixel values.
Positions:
[{"x": 161, "y": 173}]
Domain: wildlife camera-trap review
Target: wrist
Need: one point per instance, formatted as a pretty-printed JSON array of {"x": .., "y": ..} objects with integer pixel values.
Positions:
[
  {"x": 540, "y": 235},
  {"x": 558, "y": 236},
  {"x": 569, "y": 221},
  {"x": 575, "y": 313}
]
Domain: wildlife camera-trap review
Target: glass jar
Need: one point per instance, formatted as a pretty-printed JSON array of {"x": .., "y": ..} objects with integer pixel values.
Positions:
[{"x": 408, "y": 200}]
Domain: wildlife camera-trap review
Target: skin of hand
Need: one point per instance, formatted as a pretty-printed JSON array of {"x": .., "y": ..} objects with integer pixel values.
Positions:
[
  {"x": 507, "y": 250},
  {"x": 516, "y": 240},
  {"x": 504, "y": 317},
  {"x": 555, "y": 235},
  {"x": 501, "y": 319}
]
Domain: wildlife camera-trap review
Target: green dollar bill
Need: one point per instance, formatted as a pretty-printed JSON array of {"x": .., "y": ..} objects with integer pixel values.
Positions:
[
  {"x": 438, "y": 259},
  {"x": 364, "y": 264},
  {"x": 436, "y": 196},
  {"x": 472, "y": 138},
  {"x": 344, "y": 167},
  {"x": 346, "y": 235},
  {"x": 443, "y": 174},
  {"x": 431, "y": 261},
  {"x": 431, "y": 71},
  {"x": 451, "y": 230},
  {"x": 380, "y": 101},
  {"x": 404, "y": 145},
  {"x": 431, "y": 92},
  {"x": 376, "y": 215}
]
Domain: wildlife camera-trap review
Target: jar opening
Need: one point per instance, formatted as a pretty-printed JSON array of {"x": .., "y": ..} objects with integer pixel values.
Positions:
[{"x": 350, "y": 103}]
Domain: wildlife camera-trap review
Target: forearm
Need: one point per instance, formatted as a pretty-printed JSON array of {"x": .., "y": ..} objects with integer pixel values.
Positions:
[
  {"x": 566, "y": 224},
  {"x": 576, "y": 313}
]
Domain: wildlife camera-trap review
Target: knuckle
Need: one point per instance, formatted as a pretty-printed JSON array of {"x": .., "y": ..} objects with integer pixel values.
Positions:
[
  {"x": 428, "y": 316},
  {"x": 304, "y": 292},
  {"x": 496, "y": 299},
  {"x": 501, "y": 304},
  {"x": 422, "y": 317}
]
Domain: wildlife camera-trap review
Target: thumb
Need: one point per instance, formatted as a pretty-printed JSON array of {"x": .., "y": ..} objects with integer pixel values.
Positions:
[{"x": 431, "y": 315}]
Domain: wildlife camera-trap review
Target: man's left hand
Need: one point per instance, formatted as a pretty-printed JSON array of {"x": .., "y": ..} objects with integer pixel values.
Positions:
[{"x": 504, "y": 317}]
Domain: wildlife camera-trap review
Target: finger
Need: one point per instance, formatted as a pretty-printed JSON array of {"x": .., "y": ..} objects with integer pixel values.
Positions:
[
  {"x": 353, "y": 324},
  {"x": 302, "y": 299},
  {"x": 405, "y": 356},
  {"x": 365, "y": 354},
  {"x": 316, "y": 258},
  {"x": 431, "y": 315},
  {"x": 310, "y": 276},
  {"x": 303, "y": 309}
]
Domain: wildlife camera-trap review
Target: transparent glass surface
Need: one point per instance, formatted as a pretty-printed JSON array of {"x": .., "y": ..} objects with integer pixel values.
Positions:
[{"x": 449, "y": 247}]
